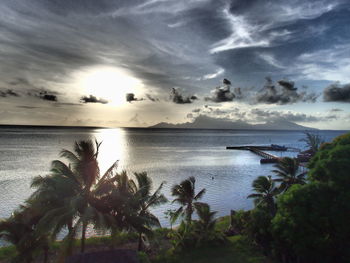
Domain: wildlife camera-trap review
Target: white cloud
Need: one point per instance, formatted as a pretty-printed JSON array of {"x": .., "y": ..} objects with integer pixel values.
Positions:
[
  {"x": 159, "y": 6},
  {"x": 270, "y": 59},
  {"x": 331, "y": 64},
  {"x": 214, "y": 75},
  {"x": 243, "y": 34}
]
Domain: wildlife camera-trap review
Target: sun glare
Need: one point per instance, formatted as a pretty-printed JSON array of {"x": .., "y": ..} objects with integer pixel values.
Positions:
[
  {"x": 113, "y": 148},
  {"x": 108, "y": 83}
]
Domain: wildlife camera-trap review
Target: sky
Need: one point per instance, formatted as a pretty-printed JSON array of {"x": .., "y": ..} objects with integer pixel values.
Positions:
[{"x": 133, "y": 63}]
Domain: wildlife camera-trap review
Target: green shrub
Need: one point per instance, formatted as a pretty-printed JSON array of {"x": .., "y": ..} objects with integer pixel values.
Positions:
[{"x": 312, "y": 222}]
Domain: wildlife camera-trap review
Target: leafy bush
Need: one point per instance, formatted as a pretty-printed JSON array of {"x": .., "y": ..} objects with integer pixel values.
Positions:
[
  {"x": 312, "y": 222},
  {"x": 198, "y": 233}
]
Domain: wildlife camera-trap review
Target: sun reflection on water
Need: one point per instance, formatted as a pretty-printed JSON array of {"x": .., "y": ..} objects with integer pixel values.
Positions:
[{"x": 112, "y": 149}]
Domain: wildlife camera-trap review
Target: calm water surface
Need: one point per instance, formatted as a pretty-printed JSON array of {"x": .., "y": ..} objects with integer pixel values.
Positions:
[{"x": 167, "y": 155}]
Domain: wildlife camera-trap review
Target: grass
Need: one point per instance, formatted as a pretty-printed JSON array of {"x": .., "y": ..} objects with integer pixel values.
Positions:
[
  {"x": 237, "y": 250},
  {"x": 7, "y": 252},
  {"x": 222, "y": 223}
]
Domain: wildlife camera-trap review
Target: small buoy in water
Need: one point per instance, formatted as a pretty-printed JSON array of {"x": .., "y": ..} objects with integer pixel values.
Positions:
[{"x": 212, "y": 178}]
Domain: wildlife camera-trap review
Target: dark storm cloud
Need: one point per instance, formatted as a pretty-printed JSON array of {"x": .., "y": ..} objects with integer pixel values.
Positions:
[
  {"x": 74, "y": 34},
  {"x": 178, "y": 98},
  {"x": 337, "y": 93},
  {"x": 131, "y": 97},
  {"x": 224, "y": 93},
  {"x": 187, "y": 44},
  {"x": 93, "y": 99},
  {"x": 8, "y": 93},
  {"x": 221, "y": 94},
  {"x": 282, "y": 92},
  {"x": 43, "y": 94},
  {"x": 287, "y": 84},
  {"x": 49, "y": 97},
  {"x": 226, "y": 82}
]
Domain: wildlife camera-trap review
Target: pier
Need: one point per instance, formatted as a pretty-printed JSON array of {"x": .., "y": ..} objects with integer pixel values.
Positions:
[
  {"x": 259, "y": 150},
  {"x": 266, "y": 157}
]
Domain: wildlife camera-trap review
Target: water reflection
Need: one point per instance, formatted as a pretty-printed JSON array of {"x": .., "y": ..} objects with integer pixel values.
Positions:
[{"x": 113, "y": 147}]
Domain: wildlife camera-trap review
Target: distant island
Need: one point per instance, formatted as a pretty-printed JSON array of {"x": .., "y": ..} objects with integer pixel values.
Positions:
[{"x": 205, "y": 122}]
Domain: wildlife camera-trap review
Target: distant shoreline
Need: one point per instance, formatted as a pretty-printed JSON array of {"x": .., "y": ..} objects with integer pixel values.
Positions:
[{"x": 147, "y": 128}]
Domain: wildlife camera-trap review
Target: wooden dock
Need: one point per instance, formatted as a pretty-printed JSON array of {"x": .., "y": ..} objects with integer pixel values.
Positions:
[
  {"x": 259, "y": 147},
  {"x": 266, "y": 157}
]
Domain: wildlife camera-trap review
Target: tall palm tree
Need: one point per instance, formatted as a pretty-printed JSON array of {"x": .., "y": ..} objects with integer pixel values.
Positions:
[
  {"x": 313, "y": 141},
  {"x": 287, "y": 172},
  {"x": 147, "y": 200},
  {"x": 115, "y": 196},
  {"x": 68, "y": 191},
  {"x": 186, "y": 197},
  {"x": 53, "y": 194},
  {"x": 128, "y": 202},
  {"x": 265, "y": 192}
]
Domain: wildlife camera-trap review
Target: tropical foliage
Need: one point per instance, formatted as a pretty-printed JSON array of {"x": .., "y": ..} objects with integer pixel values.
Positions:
[
  {"x": 186, "y": 196},
  {"x": 287, "y": 173},
  {"x": 313, "y": 141},
  {"x": 265, "y": 192},
  {"x": 200, "y": 232},
  {"x": 21, "y": 230},
  {"x": 294, "y": 219},
  {"x": 311, "y": 224}
]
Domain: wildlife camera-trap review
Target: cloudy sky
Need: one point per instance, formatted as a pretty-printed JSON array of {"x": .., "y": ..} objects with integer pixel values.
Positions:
[{"x": 140, "y": 62}]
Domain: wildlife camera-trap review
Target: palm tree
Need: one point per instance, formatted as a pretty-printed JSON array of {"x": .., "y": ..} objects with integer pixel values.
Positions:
[
  {"x": 68, "y": 192},
  {"x": 186, "y": 197},
  {"x": 20, "y": 229},
  {"x": 287, "y": 172},
  {"x": 265, "y": 191},
  {"x": 205, "y": 226},
  {"x": 313, "y": 141},
  {"x": 147, "y": 200},
  {"x": 53, "y": 194},
  {"x": 206, "y": 218}
]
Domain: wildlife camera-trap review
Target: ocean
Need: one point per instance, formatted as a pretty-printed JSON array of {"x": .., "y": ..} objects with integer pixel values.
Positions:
[{"x": 168, "y": 155}]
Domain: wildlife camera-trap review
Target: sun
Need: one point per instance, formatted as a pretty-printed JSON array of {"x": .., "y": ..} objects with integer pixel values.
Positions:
[{"x": 108, "y": 83}]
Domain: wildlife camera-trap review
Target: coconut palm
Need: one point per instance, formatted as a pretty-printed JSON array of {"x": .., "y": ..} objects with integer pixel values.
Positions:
[
  {"x": 53, "y": 194},
  {"x": 206, "y": 217},
  {"x": 186, "y": 197},
  {"x": 313, "y": 141},
  {"x": 67, "y": 194},
  {"x": 128, "y": 202},
  {"x": 287, "y": 172},
  {"x": 147, "y": 200},
  {"x": 265, "y": 192},
  {"x": 115, "y": 196},
  {"x": 20, "y": 229},
  {"x": 205, "y": 226}
]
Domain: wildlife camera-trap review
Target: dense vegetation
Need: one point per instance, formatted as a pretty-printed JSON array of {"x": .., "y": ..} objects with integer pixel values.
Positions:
[{"x": 298, "y": 217}]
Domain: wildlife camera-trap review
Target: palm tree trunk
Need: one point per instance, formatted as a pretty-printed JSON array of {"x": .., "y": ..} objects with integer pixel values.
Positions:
[
  {"x": 189, "y": 213},
  {"x": 83, "y": 232},
  {"x": 46, "y": 254},
  {"x": 70, "y": 227},
  {"x": 140, "y": 242},
  {"x": 29, "y": 259}
]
